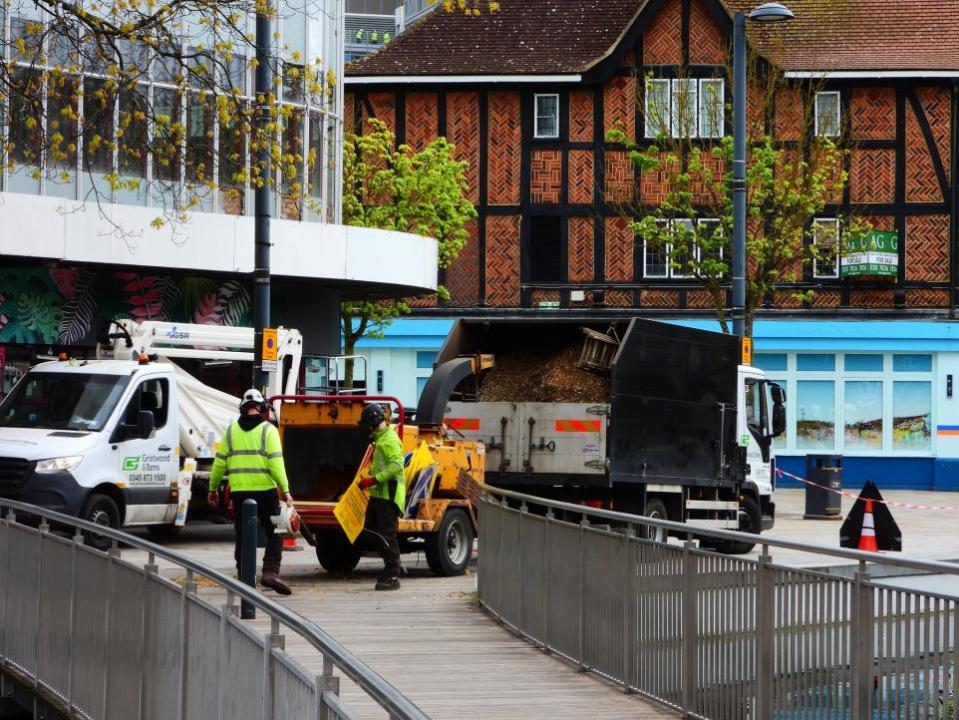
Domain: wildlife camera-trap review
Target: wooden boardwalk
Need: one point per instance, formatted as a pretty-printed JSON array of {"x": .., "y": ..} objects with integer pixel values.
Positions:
[{"x": 430, "y": 639}]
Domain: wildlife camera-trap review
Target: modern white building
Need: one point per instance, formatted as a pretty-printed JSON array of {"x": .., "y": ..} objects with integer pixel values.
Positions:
[{"x": 77, "y": 253}]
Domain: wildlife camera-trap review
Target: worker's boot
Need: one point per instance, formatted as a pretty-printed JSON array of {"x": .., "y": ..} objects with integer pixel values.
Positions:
[
  {"x": 271, "y": 580},
  {"x": 388, "y": 583}
]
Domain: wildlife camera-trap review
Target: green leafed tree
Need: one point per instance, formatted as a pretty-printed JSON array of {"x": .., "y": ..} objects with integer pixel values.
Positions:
[
  {"x": 688, "y": 233},
  {"x": 397, "y": 188}
]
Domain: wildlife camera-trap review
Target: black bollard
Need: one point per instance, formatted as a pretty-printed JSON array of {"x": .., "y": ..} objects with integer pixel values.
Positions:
[{"x": 248, "y": 555}]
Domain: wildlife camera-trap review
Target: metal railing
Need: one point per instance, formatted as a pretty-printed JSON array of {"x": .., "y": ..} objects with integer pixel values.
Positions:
[
  {"x": 99, "y": 637},
  {"x": 715, "y": 636}
]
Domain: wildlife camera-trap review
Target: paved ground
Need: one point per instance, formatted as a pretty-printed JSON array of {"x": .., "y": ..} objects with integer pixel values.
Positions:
[{"x": 433, "y": 641}]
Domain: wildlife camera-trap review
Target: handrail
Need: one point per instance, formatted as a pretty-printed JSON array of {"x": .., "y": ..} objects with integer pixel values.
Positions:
[
  {"x": 735, "y": 535},
  {"x": 384, "y": 694},
  {"x": 341, "y": 398}
]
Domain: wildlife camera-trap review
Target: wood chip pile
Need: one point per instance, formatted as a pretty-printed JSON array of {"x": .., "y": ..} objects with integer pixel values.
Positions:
[{"x": 544, "y": 376}]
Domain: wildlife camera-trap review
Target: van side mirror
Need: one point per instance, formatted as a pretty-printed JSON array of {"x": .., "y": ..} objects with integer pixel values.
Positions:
[
  {"x": 778, "y": 393},
  {"x": 146, "y": 424}
]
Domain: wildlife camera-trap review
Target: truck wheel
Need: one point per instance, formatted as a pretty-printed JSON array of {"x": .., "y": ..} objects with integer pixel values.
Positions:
[
  {"x": 656, "y": 509},
  {"x": 750, "y": 521},
  {"x": 163, "y": 533},
  {"x": 449, "y": 549},
  {"x": 100, "y": 510},
  {"x": 335, "y": 552}
]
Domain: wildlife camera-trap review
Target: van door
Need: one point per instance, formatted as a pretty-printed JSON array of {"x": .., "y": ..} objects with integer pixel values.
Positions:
[{"x": 148, "y": 467}]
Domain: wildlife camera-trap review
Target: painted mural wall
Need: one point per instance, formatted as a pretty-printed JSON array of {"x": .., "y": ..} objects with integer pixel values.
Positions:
[{"x": 65, "y": 306}]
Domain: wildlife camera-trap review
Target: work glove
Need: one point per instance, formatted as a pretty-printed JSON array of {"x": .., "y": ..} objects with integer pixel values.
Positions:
[
  {"x": 367, "y": 482},
  {"x": 288, "y": 498}
]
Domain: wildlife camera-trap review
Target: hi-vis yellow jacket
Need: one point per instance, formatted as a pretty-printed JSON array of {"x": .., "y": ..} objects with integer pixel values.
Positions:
[{"x": 253, "y": 459}]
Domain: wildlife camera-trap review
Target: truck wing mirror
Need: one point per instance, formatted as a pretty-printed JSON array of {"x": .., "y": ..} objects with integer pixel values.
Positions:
[
  {"x": 779, "y": 419},
  {"x": 778, "y": 393},
  {"x": 146, "y": 424}
]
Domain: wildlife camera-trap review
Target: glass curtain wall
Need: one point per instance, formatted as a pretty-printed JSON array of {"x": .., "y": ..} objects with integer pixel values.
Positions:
[{"x": 82, "y": 142}]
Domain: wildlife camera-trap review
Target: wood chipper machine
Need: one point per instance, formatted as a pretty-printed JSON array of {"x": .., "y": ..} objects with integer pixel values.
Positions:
[{"x": 324, "y": 446}]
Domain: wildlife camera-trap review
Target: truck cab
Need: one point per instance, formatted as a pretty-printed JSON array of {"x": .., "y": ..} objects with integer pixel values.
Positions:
[
  {"x": 761, "y": 418},
  {"x": 94, "y": 439}
]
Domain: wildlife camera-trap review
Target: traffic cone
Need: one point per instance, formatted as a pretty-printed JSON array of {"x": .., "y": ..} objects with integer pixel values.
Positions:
[
  {"x": 867, "y": 538},
  {"x": 289, "y": 544}
]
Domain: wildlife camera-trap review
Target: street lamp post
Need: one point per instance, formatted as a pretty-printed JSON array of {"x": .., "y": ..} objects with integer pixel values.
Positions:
[
  {"x": 263, "y": 196},
  {"x": 770, "y": 12}
]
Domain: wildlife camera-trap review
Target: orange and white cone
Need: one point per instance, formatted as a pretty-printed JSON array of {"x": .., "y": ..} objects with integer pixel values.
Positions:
[{"x": 867, "y": 538}]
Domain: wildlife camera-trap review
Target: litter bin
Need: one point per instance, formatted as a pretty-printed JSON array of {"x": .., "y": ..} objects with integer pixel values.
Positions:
[{"x": 823, "y": 501}]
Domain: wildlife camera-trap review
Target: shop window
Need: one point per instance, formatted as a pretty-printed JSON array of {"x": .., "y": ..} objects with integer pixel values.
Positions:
[
  {"x": 770, "y": 361},
  {"x": 547, "y": 116},
  {"x": 425, "y": 359},
  {"x": 911, "y": 415},
  {"x": 827, "y": 114},
  {"x": 862, "y": 415},
  {"x": 546, "y": 252},
  {"x": 816, "y": 363},
  {"x": 815, "y": 415},
  {"x": 863, "y": 363},
  {"x": 912, "y": 363}
]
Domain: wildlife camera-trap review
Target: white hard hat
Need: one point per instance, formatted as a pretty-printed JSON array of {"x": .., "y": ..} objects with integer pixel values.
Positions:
[{"x": 252, "y": 397}]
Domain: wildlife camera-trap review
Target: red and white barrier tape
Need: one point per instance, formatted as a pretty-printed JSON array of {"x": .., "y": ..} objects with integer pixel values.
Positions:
[{"x": 890, "y": 503}]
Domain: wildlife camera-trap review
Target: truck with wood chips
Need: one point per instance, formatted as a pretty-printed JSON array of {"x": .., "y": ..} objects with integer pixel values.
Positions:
[{"x": 634, "y": 415}]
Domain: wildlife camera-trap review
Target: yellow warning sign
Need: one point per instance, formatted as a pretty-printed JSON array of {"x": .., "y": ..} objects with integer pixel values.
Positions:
[
  {"x": 747, "y": 351},
  {"x": 350, "y": 511},
  {"x": 269, "y": 344}
]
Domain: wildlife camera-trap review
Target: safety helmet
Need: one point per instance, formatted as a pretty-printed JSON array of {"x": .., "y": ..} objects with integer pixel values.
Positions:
[
  {"x": 252, "y": 397},
  {"x": 371, "y": 417}
]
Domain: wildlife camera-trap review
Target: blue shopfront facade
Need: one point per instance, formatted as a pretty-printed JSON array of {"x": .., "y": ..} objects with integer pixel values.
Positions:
[{"x": 882, "y": 394}]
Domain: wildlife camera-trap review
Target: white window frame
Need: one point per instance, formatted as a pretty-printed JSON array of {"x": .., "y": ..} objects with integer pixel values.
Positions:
[
  {"x": 823, "y": 94},
  {"x": 664, "y": 276},
  {"x": 695, "y": 86},
  {"x": 651, "y": 131},
  {"x": 815, "y": 263},
  {"x": 701, "y": 114},
  {"x": 536, "y": 116},
  {"x": 671, "y": 272}
]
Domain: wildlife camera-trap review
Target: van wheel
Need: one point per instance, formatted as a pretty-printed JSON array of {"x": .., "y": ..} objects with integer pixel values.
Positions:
[
  {"x": 100, "y": 510},
  {"x": 656, "y": 509},
  {"x": 163, "y": 533},
  {"x": 450, "y": 548},
  {"x": 335, "y": 552}
]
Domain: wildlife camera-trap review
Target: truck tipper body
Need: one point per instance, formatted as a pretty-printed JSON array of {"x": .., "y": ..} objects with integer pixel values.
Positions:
[{"x": 676, "y": 428}]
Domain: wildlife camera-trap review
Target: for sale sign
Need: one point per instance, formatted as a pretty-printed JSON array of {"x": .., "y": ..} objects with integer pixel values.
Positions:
[{"x": 871, "y": 253}]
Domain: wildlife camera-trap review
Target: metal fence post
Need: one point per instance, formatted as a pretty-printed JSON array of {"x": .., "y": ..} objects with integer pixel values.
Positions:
[
  {"x": 325, "y": 683},
  {"x": 863, "y": 609},
  {"x": 764, "y": 637},
  {"x": 43, "y": 529},
  {"x": 112, "y": 554},
  {"x": 248, "y": 554},
  {"x": 189, "y": 588},
  {"x": 629, "y": 573},
  {"x": 75, "y": 543},
  {"x": 689, "y": 627},
  {"x": 583, "y": 524},
  {"x": 546, "y": 593},
  {"x": 273, "y": 640},
  {"x": 521, "y": 620},
  {"x": 150, "y": 570}
]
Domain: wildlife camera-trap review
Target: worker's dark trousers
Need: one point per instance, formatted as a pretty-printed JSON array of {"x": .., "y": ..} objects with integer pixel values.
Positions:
[
  {"x": 267, "y": 504},
  {"x": 381, "y": 519}
]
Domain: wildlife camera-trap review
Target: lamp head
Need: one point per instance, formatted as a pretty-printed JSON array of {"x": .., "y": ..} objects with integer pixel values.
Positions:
[{"x": 771, "y": 12}]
